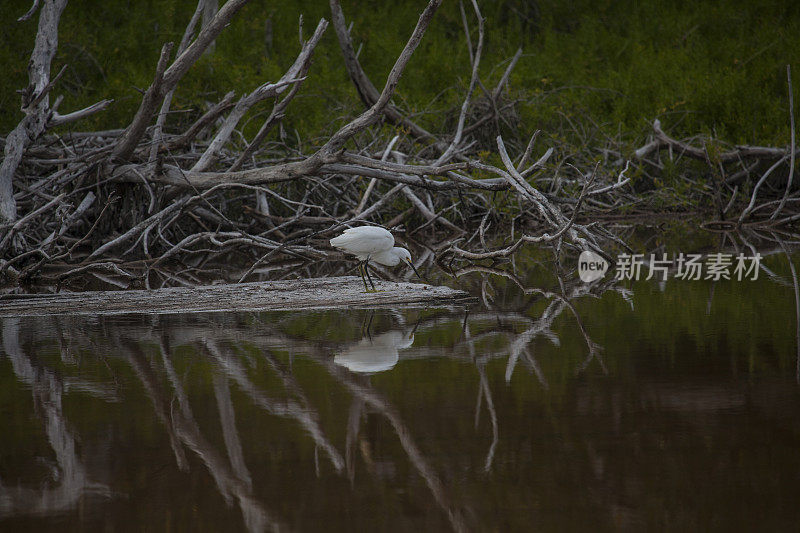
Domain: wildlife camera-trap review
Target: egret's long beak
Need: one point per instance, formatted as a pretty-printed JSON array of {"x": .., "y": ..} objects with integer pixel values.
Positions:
[{"x": 415, "y": 270}]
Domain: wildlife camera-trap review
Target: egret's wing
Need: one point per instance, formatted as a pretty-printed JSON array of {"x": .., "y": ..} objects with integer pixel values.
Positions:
[{"x": 364, "y": 240}]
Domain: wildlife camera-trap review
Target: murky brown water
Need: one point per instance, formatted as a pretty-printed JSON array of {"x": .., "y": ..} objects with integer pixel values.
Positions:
[{"x": 629, "y": 406}]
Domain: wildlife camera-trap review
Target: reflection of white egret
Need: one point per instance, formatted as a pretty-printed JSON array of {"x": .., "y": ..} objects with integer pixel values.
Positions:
[{"x": 375, "y": 354}]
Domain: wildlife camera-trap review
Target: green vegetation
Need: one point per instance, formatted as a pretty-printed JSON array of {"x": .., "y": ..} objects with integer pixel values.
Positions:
[{"x": 601, "y": 67}]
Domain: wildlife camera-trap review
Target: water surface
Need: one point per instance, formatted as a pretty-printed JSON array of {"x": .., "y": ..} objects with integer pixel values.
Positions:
[{"x": 614, "y": 406}]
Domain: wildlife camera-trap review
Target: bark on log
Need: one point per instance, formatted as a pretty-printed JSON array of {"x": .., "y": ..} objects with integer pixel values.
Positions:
[{"x": 318, "y": 293}]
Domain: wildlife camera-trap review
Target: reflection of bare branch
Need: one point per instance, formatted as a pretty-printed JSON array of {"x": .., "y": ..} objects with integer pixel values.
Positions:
[
  {"x": 103, "y": 392},
  {"x": 182, "y": 424},
  {"x": 796, "y": 306},
  {"x": 487, "y": 393},
  {"x": 161, "y": 405},
  {"x": 363, "y": 395},
  {"x": 183, "y": 400},
  {"x": 487, "y": 336},
  {"x": 541, "y": 327},
  {"x": 594, "y": 348},
  {"x": 534, "y": 364},
  {"x": 374, "y": 400},
  {"x": 483, "y": 390},
  {"x": 287, "y": 409},
  {"x": 227, "y": 419},
  {"x": 72, "y": 480},
  {"x": 353, "y": 422}
]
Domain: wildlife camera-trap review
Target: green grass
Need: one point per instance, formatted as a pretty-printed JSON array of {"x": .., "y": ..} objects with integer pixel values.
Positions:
[{"x": 714, "y": 67}]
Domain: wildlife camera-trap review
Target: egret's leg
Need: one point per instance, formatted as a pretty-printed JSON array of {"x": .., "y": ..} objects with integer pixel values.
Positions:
[
  {"x": 365, "y": 327},
  {"x": 366, "y": 269},
  {"x": 361, "y": 272}
]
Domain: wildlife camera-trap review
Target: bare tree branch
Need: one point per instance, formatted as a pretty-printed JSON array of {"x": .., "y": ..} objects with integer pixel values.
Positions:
[
  {"x": 36, "y": 116},
  {"x": 366, "y": 90},
  {"x": 167, "y": 79}
]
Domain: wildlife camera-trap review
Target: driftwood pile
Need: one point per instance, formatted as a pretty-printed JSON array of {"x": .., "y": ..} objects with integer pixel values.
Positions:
[{"x": 148, "y": 206}]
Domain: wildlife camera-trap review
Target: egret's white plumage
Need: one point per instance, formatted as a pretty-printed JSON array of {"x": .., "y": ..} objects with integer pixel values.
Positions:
[
  {"x": 371, "y": 243},
  {"x": 366, "y": 242}
]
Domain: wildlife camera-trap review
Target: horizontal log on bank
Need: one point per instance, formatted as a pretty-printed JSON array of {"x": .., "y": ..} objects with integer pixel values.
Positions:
[
  {"x": 317, "y": 293},
  {"x": 411, "y": 175},
  {"x": 740, "y": 152}
]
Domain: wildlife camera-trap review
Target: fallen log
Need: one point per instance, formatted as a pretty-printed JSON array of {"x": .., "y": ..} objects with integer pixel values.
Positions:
[{"x": 303, "y": 294}]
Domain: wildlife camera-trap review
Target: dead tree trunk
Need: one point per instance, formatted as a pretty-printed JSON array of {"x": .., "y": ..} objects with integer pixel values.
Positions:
[{"x": 35, "y": 104}]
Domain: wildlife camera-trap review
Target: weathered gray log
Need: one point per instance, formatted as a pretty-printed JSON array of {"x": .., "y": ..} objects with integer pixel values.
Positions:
[{"x": 317, "y": 293}]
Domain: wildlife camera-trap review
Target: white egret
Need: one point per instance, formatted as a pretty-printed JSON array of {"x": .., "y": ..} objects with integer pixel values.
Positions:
[{"x": 371, "y": 243}]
